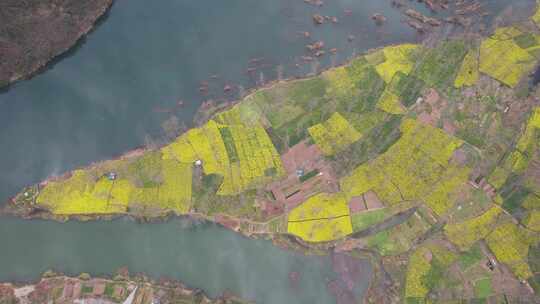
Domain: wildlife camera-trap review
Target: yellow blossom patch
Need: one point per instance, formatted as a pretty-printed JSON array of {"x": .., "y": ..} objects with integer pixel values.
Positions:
[
  {"x": 80, "y": 194},
  {"x": 415, "y": 167},
  {"x": 468, "y": 73},
  {"x": 390, "y": 103},
  {"x": 506, "y": 33},
  {"x": 532, "y": 221},
  {"x": 510, "y": 244},
  {"x": 175, "y": 192},
  {"x": 466, "y": 233},
  {"x": 254, "y": 153},
  {"x": 322, "y": 217},
  {"x": 256, "y": 156},
  {"x": 339, "y": 82},
  {"x": 504, "y": 60},
  {"x": 334, "y": 135},
  {"x": 536, "y": 16},
  {"x": 398, "y": 59},
  {"x": 420, "y": 265},
  {"x": 418, "y": 268}
]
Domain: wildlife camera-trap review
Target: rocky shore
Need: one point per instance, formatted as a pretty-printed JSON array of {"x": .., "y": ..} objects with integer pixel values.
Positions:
[{"x": 32, "y": 33}]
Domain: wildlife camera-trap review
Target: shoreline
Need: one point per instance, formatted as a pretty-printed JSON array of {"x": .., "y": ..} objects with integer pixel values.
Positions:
[
  {"x": 22, "y": 289},
  {"x": 43, "y": 64}
]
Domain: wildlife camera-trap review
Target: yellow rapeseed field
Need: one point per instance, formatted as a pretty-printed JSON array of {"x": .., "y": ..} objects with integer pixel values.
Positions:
[
  {"x": 322, "y": 217},
  {"x": 80, "y": 194},
  {"x": 466, "y": 233},
  {"x": 504, "y": 60},
  {"x": 334, "y": 135},
  {"x": 468, "y": 73},
  {"x": 532, "y": 221},
  {"x": 510, "y": 244},
  {"x": 390, "y": 103},
  {"x": 420, "y": 265},
  {"x": 398, "y": 59},
  {"x": 536, "y": 16},
  {"x": 415, "y": 167},
  {"x": 339, "y": 82}
]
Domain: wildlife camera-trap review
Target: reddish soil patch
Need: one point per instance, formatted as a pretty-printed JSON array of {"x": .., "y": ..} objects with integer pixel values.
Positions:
[
  {"x": 372, "y": 200},
  {"x": 67, "y": 293},
  {"x": 300, "y": 156},
  {"x": 449, "y": 127},
  {"x": 227, "y": 221},
  {"x": 118, "y": 292},
  {"x": 482, "y": 184},
  {"x": 291, "y": 191},
  {"x": 6, "y": 291},
  {"x": 357, "y": 204},
  {"x": 430, "y": 111},
  {"x": 77, "y": 288},
  {"x": 99, "y": 288}
]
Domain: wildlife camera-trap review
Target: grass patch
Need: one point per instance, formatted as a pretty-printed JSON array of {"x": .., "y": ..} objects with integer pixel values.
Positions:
[
  {"x": 407, "y": 87},
  {"x": 370, "y": 86},
  {"x": 87, "y": 289},
  {"x": 366, "y": 219},
  {"x": 228, "y": 140},
  {"x": 309, "y": 175},
  {"x": 109, "y": 289},
  {"x": 438, "y": 66},
  {"x": 526, "y": 40},
  {"x": 512, "y": 202},
  {"x": 470, "y": 257},
  {"x": 482, "y": 288}
]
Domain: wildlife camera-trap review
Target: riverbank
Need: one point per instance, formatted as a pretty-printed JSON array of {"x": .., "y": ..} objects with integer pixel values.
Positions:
[
  {"x": 37, "y": 33},
  {"x": 123, "y": 288}
]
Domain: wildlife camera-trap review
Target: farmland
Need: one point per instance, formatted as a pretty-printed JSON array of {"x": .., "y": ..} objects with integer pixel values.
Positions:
[{"x": 425, "y": 156}]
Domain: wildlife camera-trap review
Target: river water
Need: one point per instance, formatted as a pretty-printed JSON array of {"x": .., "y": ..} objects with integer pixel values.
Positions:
[
  {"x": 203, "y": 255},
  {"x": 116, "y": 88}
]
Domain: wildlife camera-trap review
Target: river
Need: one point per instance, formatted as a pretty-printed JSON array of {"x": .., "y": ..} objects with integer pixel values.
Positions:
[
  {"x": 201, "y": 255},
  {"x": 115, "y": 89}
]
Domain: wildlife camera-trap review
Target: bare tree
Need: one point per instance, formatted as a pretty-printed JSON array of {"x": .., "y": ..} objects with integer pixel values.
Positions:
[
  {"x": 241, "y": 92},
  {"x": 261, "y": 78},
  {"x": 315, "y": 65},
  {"x": 149, "y": 142},
  {"x": 279, "y": 71}
]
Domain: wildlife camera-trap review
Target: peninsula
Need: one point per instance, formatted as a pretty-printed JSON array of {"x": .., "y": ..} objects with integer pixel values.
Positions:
[{"x": 425, "y": 157}]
